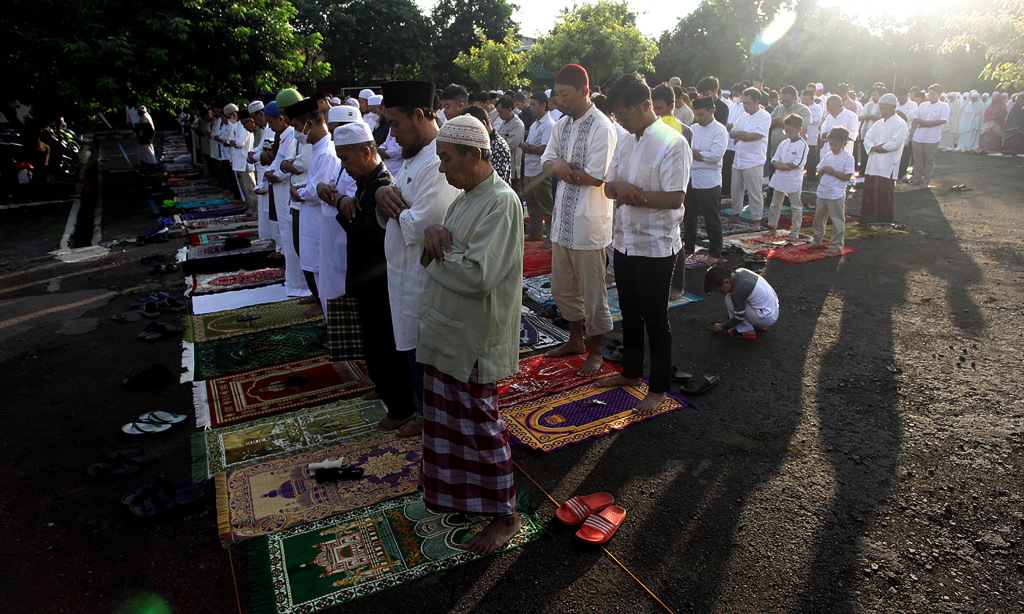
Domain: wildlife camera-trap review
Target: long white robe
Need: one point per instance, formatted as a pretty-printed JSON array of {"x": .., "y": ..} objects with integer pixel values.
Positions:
[
  {"x": 891, "y": 134},
  {"x": 323, "y": 166},
  {"x": 294, "y": 281}
]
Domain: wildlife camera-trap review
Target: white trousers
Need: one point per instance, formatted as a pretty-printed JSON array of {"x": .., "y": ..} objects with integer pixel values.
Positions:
[
  {"x": 294, "y": 281},
  {"x": 749, "y": 181},
  {"x": 835, "y": 209},
  {"x": 794, "y": 204}
]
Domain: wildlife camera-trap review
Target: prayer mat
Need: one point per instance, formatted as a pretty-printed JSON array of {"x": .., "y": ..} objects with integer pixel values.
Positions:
[
  {"x": 203, "y": 204},
  {"x": 539, "y": 376},
  {"x": 795, "y": 254},
  {"x": 344, "y": 337},
  {"x": 211, "y": 303},
  {"x": 532, "y": 305},
  {"x": 192, "y": 221},
  {"x": 858, "y": 231},
  {"x": 211, "y": 283},
  {"x": 548, "y": 335},
  {"x": 225, "y": 323},
  {"x": 907, "y": 187},
  {"x": 539, "y": 289},
  {"x": 698, "y": 260},
  {"x": 265, "y": 391},
  {"x": 613, "y": 302},
  {"x": 727, "y": 229},
  {"x": 209, "y": 238},
  {"x": 536, "y": 261},
  {"x": 552, "y": 422},
  {"x": 237, "y": 445},
  {"x": 198, "y": 252},
  {"x": 230, "y": 355},
  {"x": 209, "y": 215},
  {"x": 332, "y": 561},
  {"x": 753, "y": 242},
  {"x": 271, "y": 495}
]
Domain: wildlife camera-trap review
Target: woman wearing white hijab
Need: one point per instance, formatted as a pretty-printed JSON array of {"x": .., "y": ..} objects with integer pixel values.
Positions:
[
  {"x": 969, "y": 127},
  {"x": 948, "y": 139}
]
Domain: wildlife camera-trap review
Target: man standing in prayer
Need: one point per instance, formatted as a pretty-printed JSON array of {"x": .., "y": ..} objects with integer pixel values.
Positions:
[
  {"x": 884, "y": 144},
  {"x": 868, "y": 116},
  {"x": 929, "y": 119},
  {"x": 240, "y": 141},
  {"x": 262, "y": 140},
  {"x": 536, "y": 184},
  {"x": 907, "y": 109},
  {"x": 297, "y": 163},
  {"x": 280, "y": 193},
  {"x": 647, "y": 179},
  {"x": 708, "y": 87},
  {"x": 837, "y": 115},
  {"x": 751, "y": 135},
  {"x": 578, "y": 153},
  {"x": 501, "y": 157},
  {"x": 811, "y": 132},
  {"x": 418, "y": 198},
  {"x": 469, "y": 338},
  {"x": 788, "y": 106},
  {"x": 510, "y": 128},
  {"x": 453, "y": 100}
]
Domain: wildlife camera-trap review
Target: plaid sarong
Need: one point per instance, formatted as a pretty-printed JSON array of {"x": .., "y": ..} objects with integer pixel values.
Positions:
[
  {"x": 344, "y": 341},
  {"x": 467, "y": 462}
]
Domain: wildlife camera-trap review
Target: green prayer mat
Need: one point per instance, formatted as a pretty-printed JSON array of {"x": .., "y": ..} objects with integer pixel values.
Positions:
[
  {"x": 309, "y": 428},
  {"x": 328, "y": 562},
  {"x": 230, "y": 355},
  {"x": 854, "y": 231},
  {"x": 225, "y": 323}
]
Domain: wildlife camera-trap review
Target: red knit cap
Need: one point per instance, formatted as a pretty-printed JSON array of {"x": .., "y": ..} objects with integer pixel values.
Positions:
[{"x": 574, "y": 75}]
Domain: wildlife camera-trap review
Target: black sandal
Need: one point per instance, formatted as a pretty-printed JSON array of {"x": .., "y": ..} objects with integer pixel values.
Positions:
[{"x": 699, "y": 383}]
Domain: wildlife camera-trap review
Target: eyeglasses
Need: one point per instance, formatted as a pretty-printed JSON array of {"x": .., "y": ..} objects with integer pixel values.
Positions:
[{"x": 627, "y": 113}]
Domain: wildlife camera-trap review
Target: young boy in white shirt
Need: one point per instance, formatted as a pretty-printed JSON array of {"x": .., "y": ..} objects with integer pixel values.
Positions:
[
  {"x": 835, "y": 169},
  {"x": 750, "y": 301},
  {"x": 788, "y": 180}
]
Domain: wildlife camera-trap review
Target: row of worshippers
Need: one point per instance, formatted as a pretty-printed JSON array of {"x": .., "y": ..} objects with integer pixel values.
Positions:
[{"x": 984, "y": 123}]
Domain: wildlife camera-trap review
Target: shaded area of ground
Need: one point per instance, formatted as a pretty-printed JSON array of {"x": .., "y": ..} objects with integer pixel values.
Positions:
[{"x": 863, "y": 456}]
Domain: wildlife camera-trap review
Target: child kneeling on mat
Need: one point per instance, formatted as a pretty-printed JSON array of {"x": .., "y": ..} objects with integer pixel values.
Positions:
[{"x": 751, "y": 302}]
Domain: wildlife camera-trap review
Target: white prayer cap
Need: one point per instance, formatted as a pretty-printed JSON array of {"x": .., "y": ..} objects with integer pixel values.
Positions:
[
  {"x": 352, "y": 134},
  {"x": 229, "y": 109},
  {"x": 547, "y": 93},
  {"x": 819, "y": 86},
  {"x": 343, "y": 114},
  {"x": 726, "y": 92},
  {"x": 501, "y": 93},
  {"x": 352, "y": 102},
  {"x": 889, "y": 99},
  {"x": 255, "y": 106},
  {"x": 465, "y": 130},
  {"x": 336, "y": 101},
  {"x": 376, "y": 99},
  {"x": 365, "y": 93}
]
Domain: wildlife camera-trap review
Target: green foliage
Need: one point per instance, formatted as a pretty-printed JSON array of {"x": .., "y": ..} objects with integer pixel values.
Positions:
[
  {"x": 602, "y": 37},
  {"x": 708, "y": 41},
  {"x": 999, "y": 29},
  {"x": 366, "y": 37},
  {"x": 495, "y": 65},
  {"x": 456, "y": 24}
]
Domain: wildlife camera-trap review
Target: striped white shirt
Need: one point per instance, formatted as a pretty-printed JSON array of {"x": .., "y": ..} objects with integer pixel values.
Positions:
[{"x": 659, "y": 161}]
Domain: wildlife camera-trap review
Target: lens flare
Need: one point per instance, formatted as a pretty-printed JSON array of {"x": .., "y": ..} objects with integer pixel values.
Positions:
[{"x": 774, "y": 32}]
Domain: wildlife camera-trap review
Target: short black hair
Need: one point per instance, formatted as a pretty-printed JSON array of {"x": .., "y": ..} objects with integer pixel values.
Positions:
[
  {"x": 788, "y": 89},
  {"x": 715, "y": 277},
  {"x": 480, "y": 114},
  {"x": 708, "y": 84},
  {"x": 519, "y": 97},
  {"x": 312, "y": 116},
  {"x": 540, "y": 97},
  {"x": 794, "y": 120},
  {"x": 753, "y": 93},
  {"x": 527, "y": 88},
  {"x": 595, "y": 89},
  {"x": 628, "y": 91},
  {"x": 455, "y": 92},
  {"x": 807, "y": 93},
  {"x": 935, "y": 87},
  {"x": 678, "y": 91},
  {"x": 665, "y": 94},
  {"x": 505, "y": 102},
  {"x": 601, "y": 102},
  {"x": 428, "y": 113}
]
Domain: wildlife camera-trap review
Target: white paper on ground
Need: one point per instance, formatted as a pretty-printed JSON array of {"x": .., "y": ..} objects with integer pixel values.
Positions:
[{"x": 239, "y": 298}]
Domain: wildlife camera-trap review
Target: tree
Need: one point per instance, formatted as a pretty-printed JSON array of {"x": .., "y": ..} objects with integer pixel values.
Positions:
[
  {"x": 494, "y": 65},
  {"x": 455, "y": 30},
  {"x": 1000, "y": 30},
  {"x": 708, "y": 41},
  {"x": 365, "y": 35},
  {"x": 601, "y": 37}
]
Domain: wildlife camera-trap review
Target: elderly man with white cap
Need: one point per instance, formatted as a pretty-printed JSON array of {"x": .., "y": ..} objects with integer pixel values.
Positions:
[
  {"x": 469, "y": 338},
  {"x": 884, "y": 144}
]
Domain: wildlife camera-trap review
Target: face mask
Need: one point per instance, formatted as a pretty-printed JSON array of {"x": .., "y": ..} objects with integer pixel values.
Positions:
[
  {"x": 737, "y": 99},
  {"x": 300, "y": 137}
]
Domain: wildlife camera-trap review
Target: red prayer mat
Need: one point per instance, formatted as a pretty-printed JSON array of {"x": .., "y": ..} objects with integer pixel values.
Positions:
[
  {"x": 242, "y": 396},
  {"x": 536, "y": 261},
  {"x": 539, "y": 376},
  {"x": 795, "y": 254}
]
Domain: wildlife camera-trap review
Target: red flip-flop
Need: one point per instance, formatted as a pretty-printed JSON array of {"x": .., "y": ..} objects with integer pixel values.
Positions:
[
  {"x": 734, "y": 333},
  {"x": 577, "y": 509},
  {"x": 600, "y": 527}
]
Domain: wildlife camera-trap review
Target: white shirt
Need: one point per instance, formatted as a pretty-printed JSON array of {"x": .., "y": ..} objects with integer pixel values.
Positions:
[
  {"x": 582, "y": 215},
  {"x": 735, "y": 110},
  {"x": 791, "y": 181},
  {"x": 829, "y": 187},
  {"x": 323, "y": 167},
  {"x": 659, "y": 161},
  {"x": 512, "y": 131},
  {"x": 555, "y": 115},
  {"x": 334, "y": 240},
  {"x": 394, "y": 160},
  {"x": 752, "y": 153},
  {"x": 428, "y": 195},
  {"x": 225, "y": 132},
  {"x": 710, "y": 141},
  {"x": 812, "y": 129},
  {"x": 930, "y": 112},
  {"x": 908, "y": 108},
  {"x": 285, "y": 149},
  {"x": 847, "y": 119},
  {"x": 215, "y": 127},
  {"x": 684, "y": 114},
  {"x": 241, "y": 142},
  {"x": 892, "y": 135},
  {"x": 540, "y": 134},
  {"x": 871, "y": 108}
]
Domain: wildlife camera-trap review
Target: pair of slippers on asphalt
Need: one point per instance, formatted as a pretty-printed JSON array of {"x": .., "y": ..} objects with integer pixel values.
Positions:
[
  {"x": 125, "y": 461},
  {"x": 162, "y": 498},
  {"x": 152, "y": 422},
  {"x": 149, "y": 378},
  {"x": 156, "y": 331},
  {"x": 600, "y": 516},
  {"x": 694, "y": 382}
]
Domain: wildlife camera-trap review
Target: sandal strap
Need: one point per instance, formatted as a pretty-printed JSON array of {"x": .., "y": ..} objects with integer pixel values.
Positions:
[
  {"x": 599, "y": 523},
  {"x": 579, "y": 507}
]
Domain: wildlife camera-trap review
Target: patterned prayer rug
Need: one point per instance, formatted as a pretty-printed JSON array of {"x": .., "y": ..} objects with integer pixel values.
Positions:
[
  {"x": 197, "y": 252},
  {"x": 613, "y": 302},
  {"x": 208, "y": 238},
  {"x": 212, "y": 283},
  {"x": 548, "y": 335},
  {"x": 265, "y": 391},
  {"x": 552, "y": 422},
  {"x": 697, "y": 260},
  {"x": 234, "y": 214},
  {"x": 237, "y": 445},
  {"x": 907, "y": 187},
  {"x": 795, "y": 254},
  {"x": 539, "y": 376},
  {"x": 268, "y": 496},
  {"x": 202, "y": 203},
  {"x": 857, "y": 231},
  {"x": 538, "y": 288},
  {"x": 753, "y": 242},
  {"x": 230, "y": 355},
  {"x": 536, "y": 261},
  {"x": 225, "y": 323},
  {"x": 224, "y": 223},
  {"x": 332, "y": 561}
]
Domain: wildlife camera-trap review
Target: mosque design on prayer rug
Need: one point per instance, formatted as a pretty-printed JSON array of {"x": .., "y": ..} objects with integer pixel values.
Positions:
[
  {"x": 271, "y": 495},
  {"x": 308, "y": 428},
  {"x": 613, "y": 302},
  {"x": 552, "y": 422},
  {"x": 265, "y": 348},
  {"x": 332, "y": 561},
  {"x": 796, "y": 254},
  {"x": 539, "y": 376},
  {"x": 225, "y": 323},
  {"x": 536, "y": 261},
  {"x": 212, "y": 283},
  {"x": 261, "y": 392}
]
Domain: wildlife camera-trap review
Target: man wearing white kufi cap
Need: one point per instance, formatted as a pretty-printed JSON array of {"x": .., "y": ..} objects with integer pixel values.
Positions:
[
  {"x": 372, "y": 116},
  {"x": 337, "y": 116},
  {"x": 469, "y": 337},
  {"x": 364, "y": 97},
  {"x": 263, "y": 140},
  {"x": 884, "y": 144}
]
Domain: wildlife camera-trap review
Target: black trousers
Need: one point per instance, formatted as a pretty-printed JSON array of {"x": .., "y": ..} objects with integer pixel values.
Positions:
[
  {"x": 812, "y": 163},
  {"x": 706, "y": 203},
  {"x": 388, "y": 368},
  {"x": 229, "y": 179},
  {"x": 643, "y": 285},
  {"x": 905, "y": 161},
  {"x": 727, "y": 159}
]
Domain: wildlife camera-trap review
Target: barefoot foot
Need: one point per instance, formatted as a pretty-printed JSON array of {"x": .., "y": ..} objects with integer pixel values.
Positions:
[
  {"x": 495, "y": 535},
  {"x": 390, "y": 424},
  {"x": 312, "y": 312},
  {"x": 650, "y": 404},
  {"x": 307, "y": 300},
  {"x": 617, "y": 380},
  {"x": 676, "y": 293},
  {"x": 567, "y": 349},
  {"x": 412, "y": 428},
  {"x": 592, "y": 365}
]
